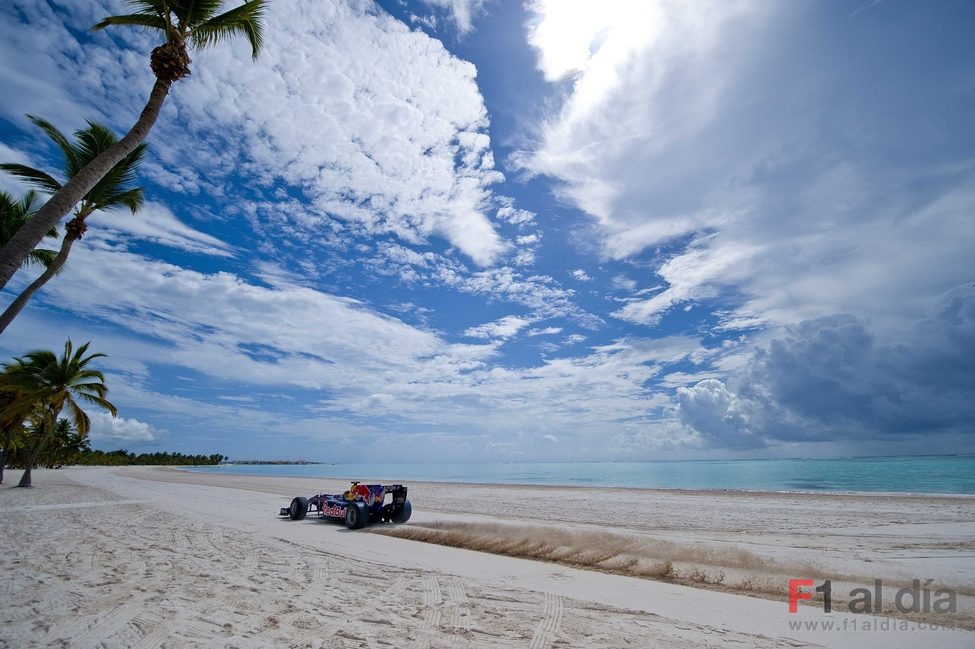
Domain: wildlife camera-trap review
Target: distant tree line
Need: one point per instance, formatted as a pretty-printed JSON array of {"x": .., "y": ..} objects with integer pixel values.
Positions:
[{"x": 66, "y": 447}]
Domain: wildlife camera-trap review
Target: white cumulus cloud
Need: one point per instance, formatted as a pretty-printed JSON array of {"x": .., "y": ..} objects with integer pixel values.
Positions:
[
  {"x": 389, "y": 140},
  {"x": 105, "y": 428},
  {"x": 506, "y": 327}
]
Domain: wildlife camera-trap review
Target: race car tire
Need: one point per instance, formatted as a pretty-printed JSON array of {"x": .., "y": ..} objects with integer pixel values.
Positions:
[
  {"x": 403, "y": 514},
  {"x": 298, "y": 509},
  {"x": 356, "y": 516}
]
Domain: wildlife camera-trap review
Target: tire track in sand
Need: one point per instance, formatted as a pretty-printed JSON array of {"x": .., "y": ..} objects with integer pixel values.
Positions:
[
  {"x": 548, "y": 629},
  {"x": 432, "y": 615},
  {"x": 457, "y": 613},
  {"x": 158, "y": 632},
  {"x": 85, "y": 634},
  {"x": 301, "y": 615}
]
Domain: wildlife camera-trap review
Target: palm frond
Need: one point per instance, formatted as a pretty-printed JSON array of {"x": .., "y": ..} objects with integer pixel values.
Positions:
[
  {"x": 245, "y": 20},
  {"x": 70, "y": 155},
  {"x": 130, "y": 161},
  {"x": 148, "y": 6},
  {"x": 133, "y": 199},
  {"x": 112, "y": 190},
  {"x": 118, "y": 179},
  {"x": 22, "y": 406},
  {"x": 64, "y": 267},
  {"x": 125, "y": 170},
  {"x": 12, "y": 210},
  {"x": 13, "y": 215},
  {"x": 35, "y": 177},
  {"x": 195, "y": 12},
  {"x": 80, "y": 419},
  {"x": 37, "y": 357},
  {"x": 42, "y": 257},
  {"x": 82, "y": 375},
  {"x": 97, "y": 388},
  {"x": 84, "y": 361},
  {"x": 25, "y": 206},
  {"x": 99, "y": 401},
  {"x": 144, "y": 20},
  {"x": 85, "y": 379},
  {"x": 66, "y": 357},
  {"x": 157, "y": 8},
  {"x": 93, "y": 140}
]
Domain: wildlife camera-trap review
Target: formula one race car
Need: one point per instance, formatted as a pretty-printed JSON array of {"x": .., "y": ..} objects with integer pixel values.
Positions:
[{"x": 360, "y": 505}]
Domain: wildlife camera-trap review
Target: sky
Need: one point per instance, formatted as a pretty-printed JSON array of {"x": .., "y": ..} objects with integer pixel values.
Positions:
[{"x": 552, "y": 230}]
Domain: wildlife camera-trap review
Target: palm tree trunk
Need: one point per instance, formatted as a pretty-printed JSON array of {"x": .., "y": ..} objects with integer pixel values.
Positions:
[
  {"x": 62, "y": 202},
  {"x": 35, "y": 452},
  {"x": 32, "y": 459},
  {"x": 7, "y": 440},
  {"x": 17, "y": 305}
]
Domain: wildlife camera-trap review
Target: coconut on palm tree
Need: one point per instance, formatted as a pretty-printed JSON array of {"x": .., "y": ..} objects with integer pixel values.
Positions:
[
  {"x": 113, "y": 191},
  {"x": 52, "y": 383},
  {"x": 13, "y": 215},
  {"x": 195, "y": 22}
]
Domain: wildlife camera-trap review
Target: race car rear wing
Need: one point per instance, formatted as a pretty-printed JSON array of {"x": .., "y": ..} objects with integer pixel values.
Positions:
[{"x": 397, "y": 491}]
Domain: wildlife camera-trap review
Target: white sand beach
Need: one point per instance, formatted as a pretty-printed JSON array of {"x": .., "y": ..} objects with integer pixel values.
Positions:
[{"x": 152, "y": 557}]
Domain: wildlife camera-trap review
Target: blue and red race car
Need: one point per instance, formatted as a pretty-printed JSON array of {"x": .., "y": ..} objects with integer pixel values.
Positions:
[{"x": 360, "y": 505}]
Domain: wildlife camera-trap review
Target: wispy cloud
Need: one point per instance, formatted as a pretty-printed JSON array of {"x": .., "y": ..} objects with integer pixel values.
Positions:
[
  {"x": 506, "y": 327},
  {"x": 461, "y": 11},
  {"x": 157, "y": 224}
]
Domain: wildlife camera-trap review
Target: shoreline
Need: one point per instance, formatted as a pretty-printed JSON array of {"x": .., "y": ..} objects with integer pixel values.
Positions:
[
  {"x": 549, "y": 485},
  {"x": 193, "y": 559}
]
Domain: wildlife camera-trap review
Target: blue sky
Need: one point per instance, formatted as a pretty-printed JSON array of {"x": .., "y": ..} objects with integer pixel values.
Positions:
[{"x": 452, "y": 230}]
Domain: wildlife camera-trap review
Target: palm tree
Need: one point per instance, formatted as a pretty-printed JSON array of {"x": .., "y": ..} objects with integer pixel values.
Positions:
[
  {"x": 65, "y": 447},
  {"x": 53, "y": 384},
  {"x": 11, "y": 423},
  {"x": 13, "y": 215},
  {"x": 179, "y": 21},
  {"x": 113, "y": 191}
]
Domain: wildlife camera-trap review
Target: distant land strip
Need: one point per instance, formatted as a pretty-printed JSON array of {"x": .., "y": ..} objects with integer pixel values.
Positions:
[{"x": 271, "y": 462}]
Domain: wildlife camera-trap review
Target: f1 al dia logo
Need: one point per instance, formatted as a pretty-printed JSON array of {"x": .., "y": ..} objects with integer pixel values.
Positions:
[{"x": 913, "y": 599}]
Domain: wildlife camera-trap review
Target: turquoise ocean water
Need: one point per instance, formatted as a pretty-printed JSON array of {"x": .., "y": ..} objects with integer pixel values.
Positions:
[{"x": 911, "y": 474}]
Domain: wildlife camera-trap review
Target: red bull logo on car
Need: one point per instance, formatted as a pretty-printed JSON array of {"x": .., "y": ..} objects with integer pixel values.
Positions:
[
  {"x": 361, "y": 492},
  {"x": 365, "y": 493},
  {"x": 335, "y": 511}
]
